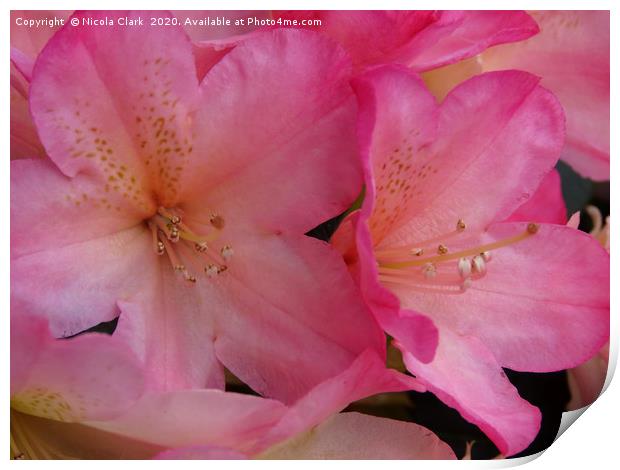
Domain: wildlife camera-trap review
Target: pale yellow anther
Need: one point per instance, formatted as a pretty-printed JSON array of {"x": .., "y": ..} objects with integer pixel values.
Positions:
[
  {"x": 429, "y": 270},
  {"x": 464, "y": 266},
  {"x": 478, "y": 265},
  {"x": 227, "y": 252},
  {"x": 211, "y": 270}
]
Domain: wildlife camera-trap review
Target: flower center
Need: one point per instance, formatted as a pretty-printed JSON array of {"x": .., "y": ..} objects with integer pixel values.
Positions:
[
  {"x": 430, "y": 266},
  {"x": 172, "y": 237}
]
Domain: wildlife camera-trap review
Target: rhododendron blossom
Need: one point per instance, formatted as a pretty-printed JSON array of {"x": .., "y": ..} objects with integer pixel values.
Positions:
[
  {"x": 162, "y": 193},
  {"x": 430, "y": 240},
  {"x": 62, "y": 406}
]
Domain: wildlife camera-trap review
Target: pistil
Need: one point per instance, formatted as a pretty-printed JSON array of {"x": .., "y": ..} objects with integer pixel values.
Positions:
[{"x": 444, "y": 270}]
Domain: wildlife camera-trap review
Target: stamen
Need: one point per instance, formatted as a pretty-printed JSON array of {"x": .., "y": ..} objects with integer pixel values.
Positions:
[
  {"x": 531, "y": 230},
  {"x": 168, "y": 228},
  {"x": 211, "y": 270},
  {"x": 174, "y": 218},
  {"x": 227, "y": 252},
  {"x": 464, "y": 268},
  {"x": 478, "y": 265},
  {"x": 436, "y": 273},
  {"x": 429, "y": 270},
  {"x": 158, "y": 246}
]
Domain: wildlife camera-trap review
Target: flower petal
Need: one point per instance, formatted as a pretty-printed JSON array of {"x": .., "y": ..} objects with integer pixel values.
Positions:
[
  {"x": 518, "y": 130},
  {"x": 61, "y": 231},
  {"x": 370, "y": 37},
  {"x": 116, "y": 104},
  {"x": 49, "y": 210},
  {"x": 546, "y": 204},
  {"x": 197, "y": 418},
  {"x": 359, "y": 436},
  {"x": 169, "y": 324},
  {"x": 422, "y": 40},
  {"x": 25, "y": 142},
  {"x": 366, "y": 376},
  {"x": 458, "y": 35},
  {"x": 200, "y": 453},
  {"x": 571, "y": 54},
  {"x": 543, "y": 304},
  {"x": 465, "y": 375},
  {"x": 89, "y": 377},
  {"x": 297, "y": 147},
  {"x": 275, "y": 339}
]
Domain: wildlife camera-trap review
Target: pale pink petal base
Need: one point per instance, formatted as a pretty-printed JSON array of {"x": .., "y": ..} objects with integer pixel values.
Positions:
[{"x": 362, "y": 437}]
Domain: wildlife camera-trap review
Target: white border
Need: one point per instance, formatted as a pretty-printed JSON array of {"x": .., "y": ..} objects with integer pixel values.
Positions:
[{"x": 591, "y": 442}]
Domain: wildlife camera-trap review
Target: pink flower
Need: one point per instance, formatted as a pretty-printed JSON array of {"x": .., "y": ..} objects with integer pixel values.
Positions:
[
  {"x": 182, "y": 206},
  {"x": 84, "y": 398},
  {"x": 571, "y": 54},
  {"x": 430, "y": 240},
  {"x": 422, "y": 40}
]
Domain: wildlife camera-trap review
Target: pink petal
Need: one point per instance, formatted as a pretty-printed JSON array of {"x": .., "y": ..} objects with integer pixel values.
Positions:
[
  {"x": 518, "y": 130},
  {"x": 399, "y": 119},
  {"x": 201, "y": 453},
  {"x": 370, "y": 37},
  {"x": 358, "y": 436},
  {"x": 543, "y": 304},
  {"x": 458, "y": 35},
  {"x": 116, "y": 103},
  {"x": 296, "y": 147},
  {"x": 25, "y": 142},
  {"x": 366, "y": 376},
  {"x": 571, "y": 54},
  {"x": 71, "y": 254},
  {"x": 168, "y": 323},
  {"x": 422, "y": 40},
  {"x": 545, "y": 205},
  {"x": 466, "y": 376},
  {"x": 197, "y": 418},
  {"x": 42, "y": 198},
  {"x": 88, "y": 377},
  {"x": 276, "y": 339},
  {"x": 417, "y": 331}
]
